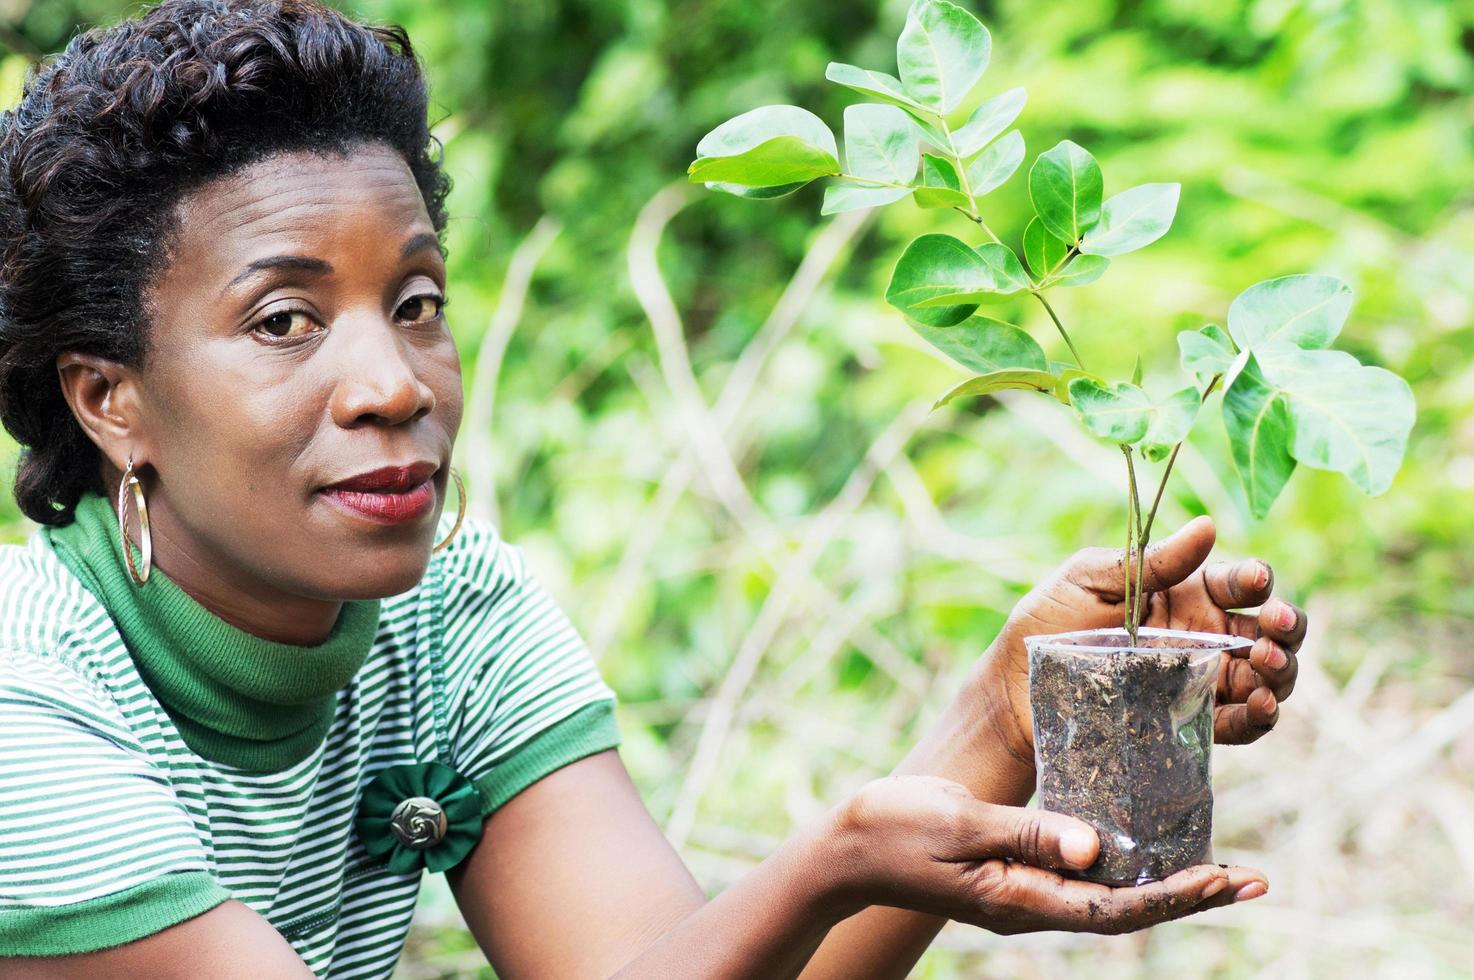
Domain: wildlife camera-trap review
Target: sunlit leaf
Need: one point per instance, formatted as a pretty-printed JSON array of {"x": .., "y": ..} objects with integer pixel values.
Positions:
[
  {"x": 984, "y": 345},
  {"x": 875, "y": 83},
  {"x": 1348, "y": 418},
  {"x": 1171, "y": 419},
  {"x": 808, "y": 142},
  {"x": 1002, "y": 275},
  {"x": 1065, "y": 185},
  {"x": 1132, "y": 219},
  {"x": 940, "y": 185},
  {"x": 1019, "y": 380},
  {"x": 996, "y": 164},
  {"x": 880, "y": 144},
  {"x": 1119, "y": 412},
  {"x": 1307, "y": 311},
  {"x": 1260, "y": 432},
  {"x": 1043, "y": 250},
  {"x": 989, "y": 119},
  {"x": 1082, "y": 270},
  {"x": 1206, "y": 352},
  {"x": 847, "y": 197},
  {"x": 775, "y": 163},
  {"x": 931, "y": 266},
  {"x": 942, "y": 52}
]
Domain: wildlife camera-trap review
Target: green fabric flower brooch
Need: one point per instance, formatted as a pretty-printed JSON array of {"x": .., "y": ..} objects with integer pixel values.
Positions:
[{"x": 424, "y": 815}]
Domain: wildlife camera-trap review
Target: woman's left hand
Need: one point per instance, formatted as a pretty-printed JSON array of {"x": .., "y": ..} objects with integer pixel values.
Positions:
[{"x": 1184, "y": 592}]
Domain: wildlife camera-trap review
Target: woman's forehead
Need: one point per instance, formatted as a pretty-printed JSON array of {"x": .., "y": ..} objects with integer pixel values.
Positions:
[
  {"x": 295, "y": 202},
  {"x": 294, "y": 192}
]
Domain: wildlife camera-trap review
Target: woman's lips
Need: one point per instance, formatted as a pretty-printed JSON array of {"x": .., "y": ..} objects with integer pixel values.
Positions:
[{"x": 387, "y": 508}]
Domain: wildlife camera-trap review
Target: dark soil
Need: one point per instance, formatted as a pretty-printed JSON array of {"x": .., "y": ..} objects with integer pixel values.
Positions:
[{"x": 1123, "y": 741}]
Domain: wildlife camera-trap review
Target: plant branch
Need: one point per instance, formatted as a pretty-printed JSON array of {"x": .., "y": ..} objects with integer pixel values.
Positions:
[
  {"x": 1059, "y": 326},
  {"x": 1133, "y": 525},
  {"x": 1162, "y": 487}
]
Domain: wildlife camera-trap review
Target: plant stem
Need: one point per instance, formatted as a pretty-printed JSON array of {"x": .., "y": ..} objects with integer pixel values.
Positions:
[
  {"x": 1059, "y": 326},
  {"x": 1133, "y": 525},
  {"x": 1161, "y": 487}
]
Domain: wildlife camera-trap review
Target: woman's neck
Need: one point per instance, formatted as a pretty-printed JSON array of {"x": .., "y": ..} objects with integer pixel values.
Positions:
[{"x": 245, "y": 602}]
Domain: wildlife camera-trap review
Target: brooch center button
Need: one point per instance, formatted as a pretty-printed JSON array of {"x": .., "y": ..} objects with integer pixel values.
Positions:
[{"x": 418, "y": 822}]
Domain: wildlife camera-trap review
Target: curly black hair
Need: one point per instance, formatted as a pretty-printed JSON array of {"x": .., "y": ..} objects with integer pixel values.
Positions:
[{"x": 112, "y": 132}]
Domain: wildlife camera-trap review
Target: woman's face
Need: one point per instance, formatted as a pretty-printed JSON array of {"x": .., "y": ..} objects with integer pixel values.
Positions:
[{"x": 297, "y": 341}]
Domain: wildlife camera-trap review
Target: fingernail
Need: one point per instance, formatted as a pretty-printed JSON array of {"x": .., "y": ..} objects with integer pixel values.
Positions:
[
  {"x": 1261, "y": 575},
  {"x": 1276, "y": 659},
  {"x": 1287, "y": 617},
  {"x": 1214, "y": 887},
  {"x": 1077, "y": 847},
  {"x": 1250, "y": 891}
]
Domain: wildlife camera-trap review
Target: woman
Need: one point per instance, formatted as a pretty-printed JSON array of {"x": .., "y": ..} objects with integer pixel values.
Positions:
[{"x": 254, "y": 677}]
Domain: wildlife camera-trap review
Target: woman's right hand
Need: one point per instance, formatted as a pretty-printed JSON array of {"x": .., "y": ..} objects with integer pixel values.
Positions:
[{"x": 927, "y": 844}]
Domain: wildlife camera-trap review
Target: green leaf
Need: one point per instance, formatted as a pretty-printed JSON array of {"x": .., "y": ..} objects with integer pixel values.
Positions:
[
  {"x": 1206, "y": 352},
  {"x": 989, "y": 119},
  {"x": 847, "y": 197},
  {"x": 1082, "y": 271},
  {"x": 877, "y": 83},
  {"x": 940, "y": 185},
  {"x": 1348, "y": 418},
  {"x": 1065, "y": 185},
  {"x": 996, "y": 164},
  {"x": 1132, "y": 219},
  {"x": 1136, "y": 371},
  {"x": 1043, "y": 250},
  {"x": 942, "y": 52},
  {"x": 775, "y": 163},
  {"x": 1119, "y": 412},
  {"x": 1260, "y": 432},
  {"x": 984, "y": 345},
  {"x": 880, "y": 144},
  {"x": 750, "y": 130},
  {"x": 928, "y": 130},
  {"x": 931, "y": 266},
  {"x": 1017, "y": 379},
  {"x": 1002, "y": 274},
  {"x": 1307, "y": 311},
  {"x": 1171, "y": 419}
]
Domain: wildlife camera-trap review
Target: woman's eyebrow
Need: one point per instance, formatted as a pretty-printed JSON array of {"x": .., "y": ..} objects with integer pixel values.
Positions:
[
  {"x": 424, "y": 240},
  {"x": 304, "y": 263}
]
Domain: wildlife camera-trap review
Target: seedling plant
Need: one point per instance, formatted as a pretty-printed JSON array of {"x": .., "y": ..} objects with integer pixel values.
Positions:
[{"x": 1288, "y": 399}]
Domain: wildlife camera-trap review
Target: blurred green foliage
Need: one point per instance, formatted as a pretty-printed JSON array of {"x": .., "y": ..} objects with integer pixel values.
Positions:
[{"x": 1310, "y": 136}]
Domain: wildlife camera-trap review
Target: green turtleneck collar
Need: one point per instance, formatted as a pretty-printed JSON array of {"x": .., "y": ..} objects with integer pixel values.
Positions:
[{"x": 236, "y": 698}]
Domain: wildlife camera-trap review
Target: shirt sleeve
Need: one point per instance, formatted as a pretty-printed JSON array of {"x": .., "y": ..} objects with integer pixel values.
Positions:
[
  {"x": 95, "y": 849},
  {"x": 525, "y": 695}
]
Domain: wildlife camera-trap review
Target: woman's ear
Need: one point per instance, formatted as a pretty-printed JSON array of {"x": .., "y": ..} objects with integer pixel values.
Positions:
[{"x": 104, "y": 398}]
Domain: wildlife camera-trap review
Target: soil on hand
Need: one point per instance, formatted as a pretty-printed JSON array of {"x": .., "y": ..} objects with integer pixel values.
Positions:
[{"x": 1123, "y": 741}]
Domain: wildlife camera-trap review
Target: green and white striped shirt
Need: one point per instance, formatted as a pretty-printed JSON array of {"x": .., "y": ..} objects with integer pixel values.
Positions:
[{"x": 112, "y": 828}]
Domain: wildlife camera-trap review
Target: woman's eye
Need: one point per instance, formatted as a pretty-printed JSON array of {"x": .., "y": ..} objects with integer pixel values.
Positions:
[
  {"x": 286, "y": 324},
  {"x": 421, "y": 309}
]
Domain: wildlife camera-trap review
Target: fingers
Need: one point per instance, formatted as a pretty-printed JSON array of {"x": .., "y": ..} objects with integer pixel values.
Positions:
[
  {"x": 1035, "y": 837},
  {"x": 1284, "y": 623},
  {"x": 1236, "y": 584},
  {"x": 1169, "y": 561},
  {"x": 1240, "y": 724},
  {"x": 1276, "y": 667},
  {"x": 1019, "y": 898}
]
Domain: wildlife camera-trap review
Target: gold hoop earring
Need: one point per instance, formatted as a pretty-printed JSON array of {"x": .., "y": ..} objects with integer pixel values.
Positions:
[
  {"x": 145, "y": 536},
  {"x": 460, "y": 511}
]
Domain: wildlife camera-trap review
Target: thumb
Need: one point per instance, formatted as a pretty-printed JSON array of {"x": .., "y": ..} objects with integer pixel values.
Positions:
[
  {"x": 1177, "y": 556},
  {"x": 1035, "y": 837},
  {"x": 1168, "y": 561}
]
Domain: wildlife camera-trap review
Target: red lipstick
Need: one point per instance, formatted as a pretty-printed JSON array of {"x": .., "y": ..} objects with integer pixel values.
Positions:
[{"x": 387, "y": 495}]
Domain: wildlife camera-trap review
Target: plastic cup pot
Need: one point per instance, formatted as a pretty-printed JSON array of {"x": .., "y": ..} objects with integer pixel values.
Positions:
[{"x": 1123, "y": 739}]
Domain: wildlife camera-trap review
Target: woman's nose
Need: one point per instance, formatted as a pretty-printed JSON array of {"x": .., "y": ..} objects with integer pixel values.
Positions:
[{"x": 378, "y": 378}]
